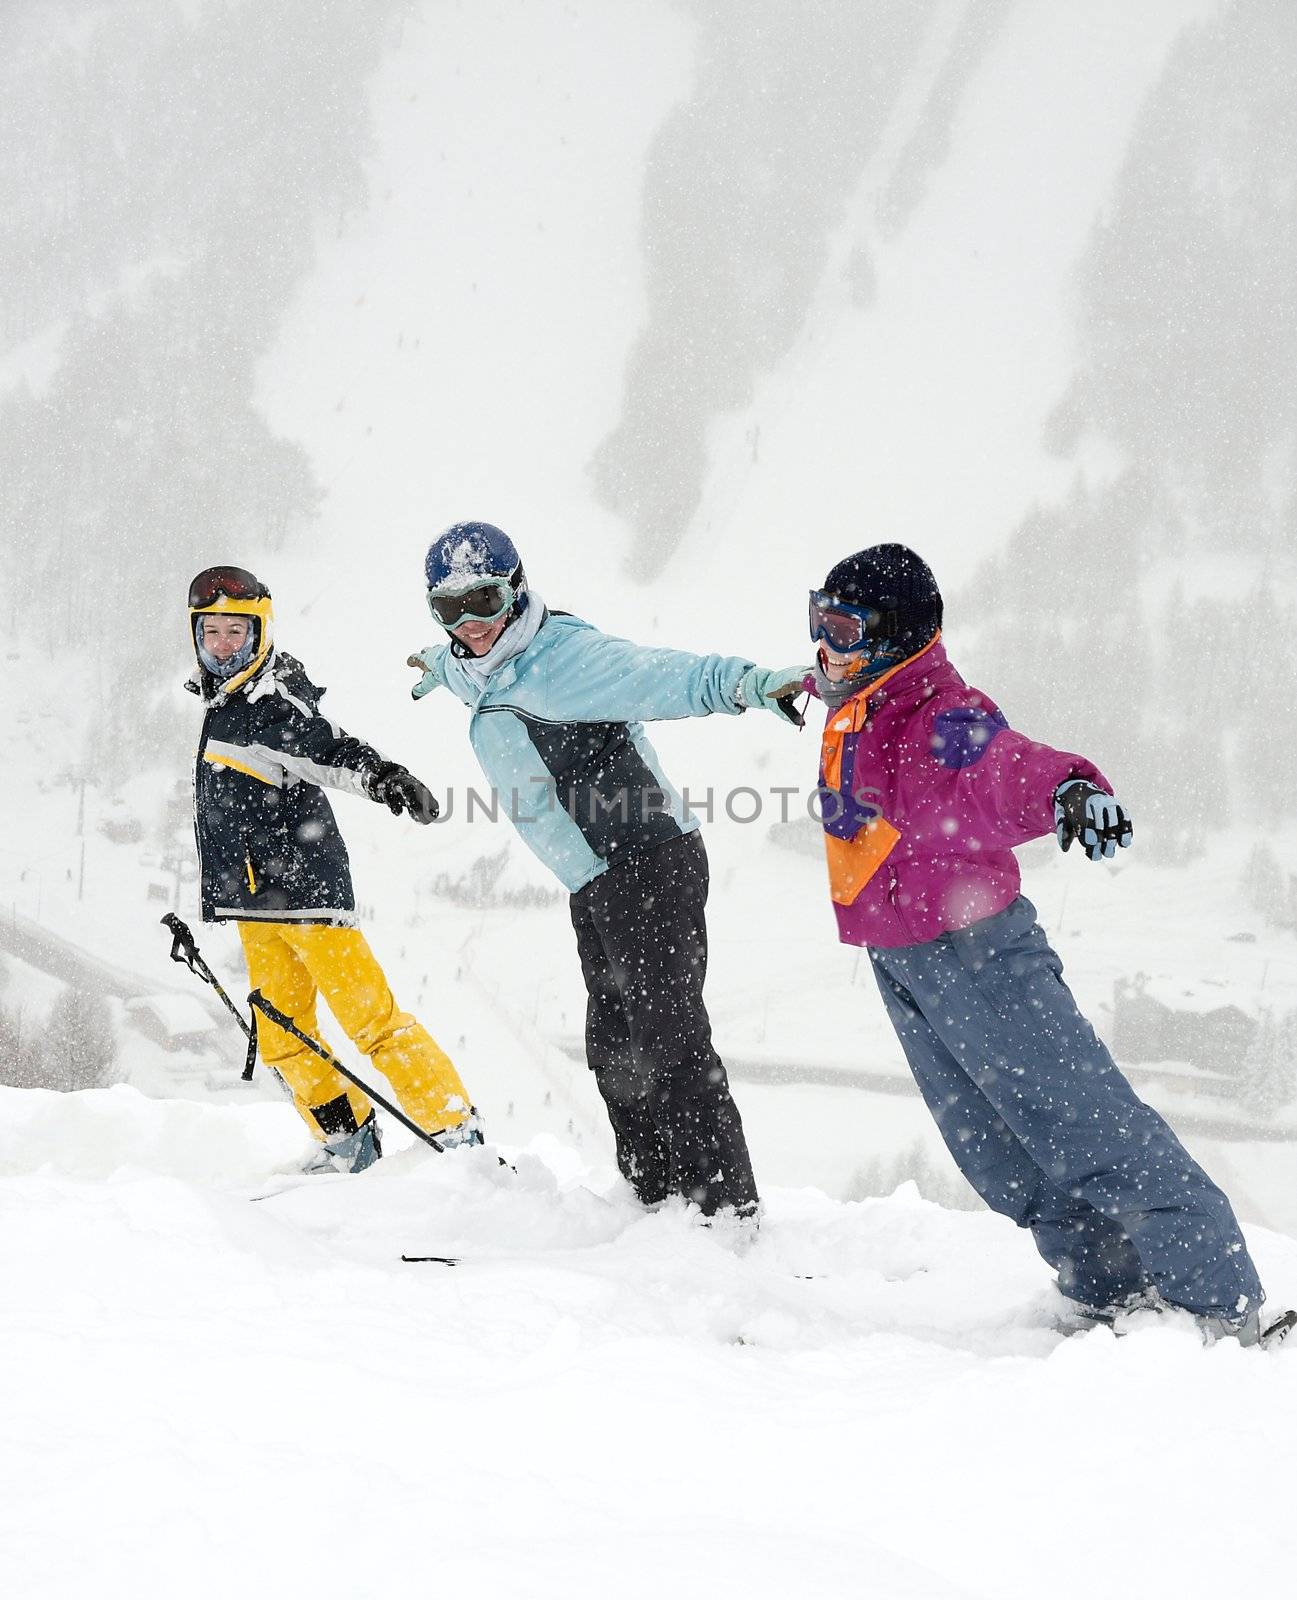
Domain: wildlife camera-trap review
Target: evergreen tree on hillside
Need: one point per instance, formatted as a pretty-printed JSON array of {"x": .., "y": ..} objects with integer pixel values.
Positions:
[
  {"x": 1188, "y": 319},
  {"x": 1188, "y": 375},
  {"x": 78, "y": 1045},
  {"x": 1266, "y": 760},
  {"x": 19, "y": 1056},
  {"x": 1267, "y": 887},
  {"x": 1268, "y": 1072}
]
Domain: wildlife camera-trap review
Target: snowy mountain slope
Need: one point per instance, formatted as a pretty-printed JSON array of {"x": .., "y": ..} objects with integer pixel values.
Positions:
[
  {"x": 871, "y": 1400},
  {"x": 477, "y": 314}
]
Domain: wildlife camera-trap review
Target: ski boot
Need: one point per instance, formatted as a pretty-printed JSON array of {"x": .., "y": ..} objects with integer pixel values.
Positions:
[
  {"x": 348, "y": 1152},
  {"x": 1078, "y": 1316},
  {"x": 464, "y": 1135},
  {"x": 1253, "y": 1330},
  {"x": 1266, "y": 1332}
]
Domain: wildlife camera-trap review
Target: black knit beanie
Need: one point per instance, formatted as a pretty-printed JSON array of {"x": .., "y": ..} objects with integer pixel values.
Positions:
[{"x": 892, "y": 580}]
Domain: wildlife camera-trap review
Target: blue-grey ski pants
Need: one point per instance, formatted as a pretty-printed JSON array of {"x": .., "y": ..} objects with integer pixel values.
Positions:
[{"x": 1048, "y": 1131}]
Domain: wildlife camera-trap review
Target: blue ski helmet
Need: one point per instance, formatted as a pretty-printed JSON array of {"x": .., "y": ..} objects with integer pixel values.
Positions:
[{"x": 470, "y": 554}]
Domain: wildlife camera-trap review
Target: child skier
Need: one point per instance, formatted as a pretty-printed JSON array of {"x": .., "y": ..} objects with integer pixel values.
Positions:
[
  {"x": 272, "y": 861},
  {"x": 556, "y": 711},
  {"x": 925, "y": 792}
]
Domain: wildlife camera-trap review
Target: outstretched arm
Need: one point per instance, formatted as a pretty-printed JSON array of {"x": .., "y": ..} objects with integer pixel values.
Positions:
[
  {"x": 626, "y": 682},
  {"x": 311, "y": 747},
  {"x": 1001, "y": 784},
  {"x": 606, "y": 679}
]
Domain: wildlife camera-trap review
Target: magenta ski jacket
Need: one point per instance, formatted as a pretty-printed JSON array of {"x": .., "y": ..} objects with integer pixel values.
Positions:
[{"x": 926, "y": 791}]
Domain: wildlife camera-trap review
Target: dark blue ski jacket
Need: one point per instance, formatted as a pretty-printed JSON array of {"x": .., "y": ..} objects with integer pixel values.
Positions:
[{"x": 269, "y": 848}]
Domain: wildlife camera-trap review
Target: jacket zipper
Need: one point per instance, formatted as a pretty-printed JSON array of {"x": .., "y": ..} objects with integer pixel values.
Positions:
[{"x": 892, "y": 901}]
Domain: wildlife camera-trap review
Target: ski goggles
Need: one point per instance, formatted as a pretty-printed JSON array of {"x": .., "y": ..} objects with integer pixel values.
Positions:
[
  {"x": 234, "y": 583},
  {"x": 486, "y": 602},
  {"x": 847, "y": 628}
]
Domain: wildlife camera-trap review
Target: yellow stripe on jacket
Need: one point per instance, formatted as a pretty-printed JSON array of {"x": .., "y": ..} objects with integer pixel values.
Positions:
[{"x": 219, "y": 759}]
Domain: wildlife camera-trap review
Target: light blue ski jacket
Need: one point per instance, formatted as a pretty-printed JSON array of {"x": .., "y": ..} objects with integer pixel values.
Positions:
[{"x": 558, "y": 731}]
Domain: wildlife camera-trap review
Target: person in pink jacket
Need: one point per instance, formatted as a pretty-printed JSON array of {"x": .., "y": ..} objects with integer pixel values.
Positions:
[{"x": 925, "y": 793}]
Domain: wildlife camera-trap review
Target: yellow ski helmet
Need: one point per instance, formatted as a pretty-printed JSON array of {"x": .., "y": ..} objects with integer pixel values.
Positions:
[{"x": 233, "y": 591}]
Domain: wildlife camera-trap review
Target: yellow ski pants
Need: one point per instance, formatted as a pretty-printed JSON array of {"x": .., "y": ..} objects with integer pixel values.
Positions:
[{"x": 291, "y": 963}]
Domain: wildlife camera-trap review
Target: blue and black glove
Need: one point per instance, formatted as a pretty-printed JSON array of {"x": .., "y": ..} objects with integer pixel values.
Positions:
[
  {"x": 773, "y": 689},
  {"x": 1083, "y": 812}
]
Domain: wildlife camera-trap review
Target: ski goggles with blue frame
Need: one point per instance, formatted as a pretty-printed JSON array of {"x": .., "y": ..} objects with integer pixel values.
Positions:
[
  {"x": 484, "y": 602},
  {"x": 847, "y": 628}
]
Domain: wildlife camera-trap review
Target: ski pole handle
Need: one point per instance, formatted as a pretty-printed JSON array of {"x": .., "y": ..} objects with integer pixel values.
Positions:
[
  {"x": 183, "y": 947},
  {"x": 185, "y": 951}
]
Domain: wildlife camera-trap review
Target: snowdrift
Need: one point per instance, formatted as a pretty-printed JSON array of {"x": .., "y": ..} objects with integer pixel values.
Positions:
[{"x": 872, "y": 1398}]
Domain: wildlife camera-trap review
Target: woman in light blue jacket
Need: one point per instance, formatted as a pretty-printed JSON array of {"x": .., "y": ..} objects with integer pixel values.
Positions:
[{"x": 557, "y": 712}]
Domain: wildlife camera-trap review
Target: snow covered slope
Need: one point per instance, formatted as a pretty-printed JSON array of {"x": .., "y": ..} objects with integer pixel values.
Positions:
[{"x": 871, "y": 1400}]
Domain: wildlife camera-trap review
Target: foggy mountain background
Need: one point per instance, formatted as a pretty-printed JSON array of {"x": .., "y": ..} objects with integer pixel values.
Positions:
[
  {"x": 1172, "y": 569},
  {"x": 167, "y": 168},
  {"x": 694, "y": 297},
  {"x": 172, "y": 168}
]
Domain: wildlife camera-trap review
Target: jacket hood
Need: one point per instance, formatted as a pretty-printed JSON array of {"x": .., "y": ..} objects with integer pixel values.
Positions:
[{"x": 286, "y": 668}]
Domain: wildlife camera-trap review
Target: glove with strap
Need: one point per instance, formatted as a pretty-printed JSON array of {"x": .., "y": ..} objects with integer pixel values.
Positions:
[
  {"x": 392, "y": 786},
  {"x": 773, "y": 689},
  {"x": 1084, "y": 812}
]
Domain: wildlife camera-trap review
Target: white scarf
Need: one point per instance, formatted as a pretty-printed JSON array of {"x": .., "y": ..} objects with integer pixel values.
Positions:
[{"x": 512, "y": 642}]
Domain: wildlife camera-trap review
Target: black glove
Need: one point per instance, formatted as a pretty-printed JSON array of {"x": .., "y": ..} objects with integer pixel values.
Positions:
[
  {"x": 399, "y": 790},
  {"x": 1081, "y": 811}
]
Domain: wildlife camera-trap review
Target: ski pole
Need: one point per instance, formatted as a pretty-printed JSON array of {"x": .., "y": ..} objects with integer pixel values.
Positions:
[
  {"x": 258, "y": 1002},
  {"x": 184, "y": 950}
]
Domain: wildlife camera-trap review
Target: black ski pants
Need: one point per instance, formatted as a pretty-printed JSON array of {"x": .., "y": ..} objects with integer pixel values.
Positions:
[{"x": 642, "y": 936}]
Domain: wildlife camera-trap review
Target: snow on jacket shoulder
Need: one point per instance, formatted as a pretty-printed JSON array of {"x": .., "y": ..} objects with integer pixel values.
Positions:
[
  {"x": 558, "y": 731},
  {"x": 268, "y": 845},
  {"x": 928, "y": 792}
]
